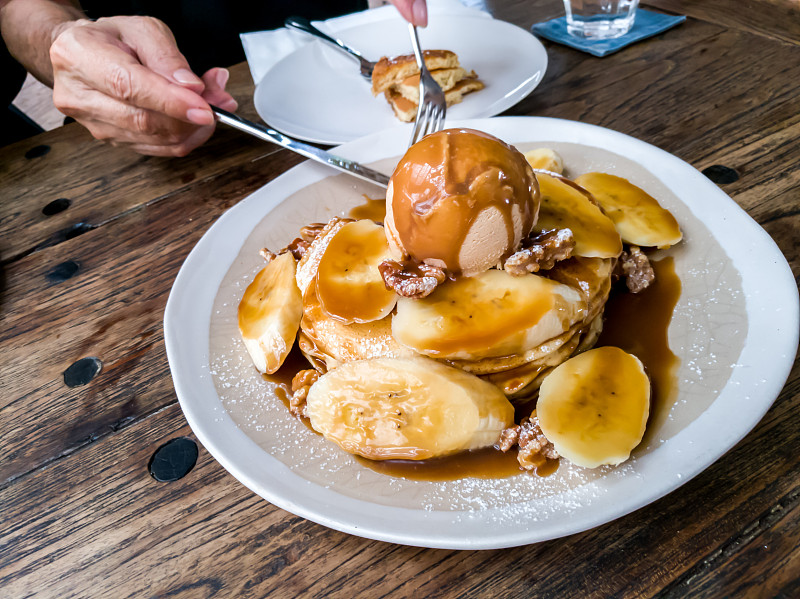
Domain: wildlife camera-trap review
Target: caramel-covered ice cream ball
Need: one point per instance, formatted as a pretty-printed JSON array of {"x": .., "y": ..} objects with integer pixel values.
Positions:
[{"x": 461, "y": 200}]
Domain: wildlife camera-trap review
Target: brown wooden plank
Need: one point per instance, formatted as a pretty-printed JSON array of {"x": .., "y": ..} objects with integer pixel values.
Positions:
[
  {"x": 96, "y": 524},
  {"x": 737, "y": 117},
  {"x": 691, "y": 91},
  {"x": 775, "y": 19},
  {"x": 111, "y": 309},
  {"x": 762, "y": 561},
  {"x": 525, "y": 13},
  {"x": 81, "y": 517},
  {"x": 101, "y": 181}
]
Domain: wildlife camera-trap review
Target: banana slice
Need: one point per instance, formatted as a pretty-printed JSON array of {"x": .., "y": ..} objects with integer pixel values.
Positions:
[
  {"x": 545, "y": 159},
  {"x": 406, "y": 408},
  {"x": 309, "y": 263},
  {"x": 489, "y": 315},
  {"x": 349, "y": 285},
  {"x": 270, "y": 312},
  {"x": 638, "y": 216},
  {"x": 564, "y": 205},
  {"x": 594, "y": 407}
]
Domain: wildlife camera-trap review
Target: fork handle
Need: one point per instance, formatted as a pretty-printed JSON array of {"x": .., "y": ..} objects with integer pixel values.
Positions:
[{"x": 412, "y": 29}]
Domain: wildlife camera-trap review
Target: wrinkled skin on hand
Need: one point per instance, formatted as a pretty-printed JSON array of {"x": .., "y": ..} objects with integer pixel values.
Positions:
[{"x": 125, "y": 80}]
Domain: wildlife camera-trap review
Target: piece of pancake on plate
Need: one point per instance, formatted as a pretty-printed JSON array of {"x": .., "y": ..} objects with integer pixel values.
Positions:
[
  {"x": 392, "y": 71},
  {"x": 398, "y": 79},
  {"x": 446, "y": 78}
]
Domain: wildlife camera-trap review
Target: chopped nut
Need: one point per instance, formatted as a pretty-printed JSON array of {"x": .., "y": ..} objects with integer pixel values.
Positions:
[
  {"x": 411, "y": 280},
  {"x": 508, "y": 438},
  {"x": 637, "y": 270},
  {"x": 309, "y": 232},
  {"x": 543, "y": 252},
  {"x": 533, "y": 446},
  {"x": 267, "y": 255},
  {"x": 298, "y": 248},
  {"x": 301, "y": 383}
]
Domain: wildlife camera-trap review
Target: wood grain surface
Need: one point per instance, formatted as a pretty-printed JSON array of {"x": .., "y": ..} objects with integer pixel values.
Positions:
[
  {"x": 778, "y": 19},
  {"x": 81, "y": 515}
]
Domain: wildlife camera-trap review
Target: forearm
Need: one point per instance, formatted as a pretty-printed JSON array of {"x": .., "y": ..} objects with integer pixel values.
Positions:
[{"x": 29, "y": 28}]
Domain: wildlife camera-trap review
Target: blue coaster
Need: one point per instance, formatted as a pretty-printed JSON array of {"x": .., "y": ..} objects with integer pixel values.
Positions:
[{"x": 647, "y": 24}]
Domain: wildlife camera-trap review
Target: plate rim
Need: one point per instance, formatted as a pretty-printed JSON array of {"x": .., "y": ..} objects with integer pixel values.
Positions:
[
  {"x": 371, "y": 518},
  {"x": 510, "y": 100}
]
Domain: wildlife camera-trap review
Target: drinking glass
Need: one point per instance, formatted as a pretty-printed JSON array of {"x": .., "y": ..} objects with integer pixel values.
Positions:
[{"x": 600, "y": 19}]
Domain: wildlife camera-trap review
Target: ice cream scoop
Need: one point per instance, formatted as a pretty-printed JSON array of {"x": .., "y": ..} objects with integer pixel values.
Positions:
[{"x": 461, "y": 200}]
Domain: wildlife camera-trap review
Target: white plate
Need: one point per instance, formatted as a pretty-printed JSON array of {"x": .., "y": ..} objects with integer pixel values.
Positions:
[
  {"x": 735, "y": 330},
  {"x": 317, "y": 94}
]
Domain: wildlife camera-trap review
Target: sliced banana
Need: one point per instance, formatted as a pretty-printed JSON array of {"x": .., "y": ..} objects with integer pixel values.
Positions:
[
  {"x": 545, "y": 159},
  {"x": 489, "y": 315},
  {"x": 270, "y": 312},
  {"x": 639, "y": 217},
  {"x": 564, "y": 205},
  {"x": 406, "y": 408},
  {"x": 350, "y": 287},
  {"x": 309, "y": 263},
  {"x": 594, "y": 407}
]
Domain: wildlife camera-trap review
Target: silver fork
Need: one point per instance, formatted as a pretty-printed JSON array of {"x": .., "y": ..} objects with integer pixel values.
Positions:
[
  {"x": 432, "y": 106},
  {"x": 305, "y": 26}
]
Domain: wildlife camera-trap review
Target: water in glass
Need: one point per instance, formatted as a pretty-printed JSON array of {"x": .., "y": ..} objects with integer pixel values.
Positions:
[{"x": 600, "y": 19}]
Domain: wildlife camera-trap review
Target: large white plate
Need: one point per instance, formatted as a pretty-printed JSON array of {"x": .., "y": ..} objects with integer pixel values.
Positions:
[
  {"x": 317, "y": 94},
  {"x": 734, "y": 329}
]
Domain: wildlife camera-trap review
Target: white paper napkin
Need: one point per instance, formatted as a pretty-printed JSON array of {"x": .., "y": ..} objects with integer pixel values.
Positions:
[{"x": 265, "y": 48}]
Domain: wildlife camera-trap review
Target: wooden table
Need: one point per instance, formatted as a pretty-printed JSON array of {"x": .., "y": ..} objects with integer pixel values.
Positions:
[{"x": 91, "y": 239}]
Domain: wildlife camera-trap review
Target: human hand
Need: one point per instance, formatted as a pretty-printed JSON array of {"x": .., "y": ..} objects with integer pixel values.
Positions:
[
  {"x": 125, "y": 80},
  {"x": 413, "y": 11}
]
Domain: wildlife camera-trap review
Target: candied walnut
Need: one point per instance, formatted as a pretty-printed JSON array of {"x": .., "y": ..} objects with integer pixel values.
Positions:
[
  {"x": 310, "y": 232},
  {"x": 533, "y": 447},
  {"x": 298, "y": 248},
  {"x": 301, "y": 383},
  {"x": 508, "y": 438},
  {"x": 267, "y": 255},
  {"x": 409, "y": 279},
  {"x": 544, "y": 251},
  {"x": 636, "y": 269}
]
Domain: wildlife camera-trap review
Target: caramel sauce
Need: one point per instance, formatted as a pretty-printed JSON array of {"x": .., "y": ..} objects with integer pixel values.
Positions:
[
  {"x": 444, "y": 182},
  {"x": 282, "y": 378},
  {"x": 480, "y": 463},
  {"x": 479, "y": 313},
  {"x": 295, "y": 362},
  {"x": 372, "y": 209},
  {"x": 638, "y": 323}
]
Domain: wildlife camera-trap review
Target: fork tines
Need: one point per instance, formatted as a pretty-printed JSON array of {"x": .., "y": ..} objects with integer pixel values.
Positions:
[{"x": 432, "y": 105}]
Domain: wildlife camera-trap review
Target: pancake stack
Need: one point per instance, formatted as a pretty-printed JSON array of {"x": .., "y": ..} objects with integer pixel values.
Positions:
[
  {"x": 398, "y": 80},
  {"x": 418, "y": 374}
]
